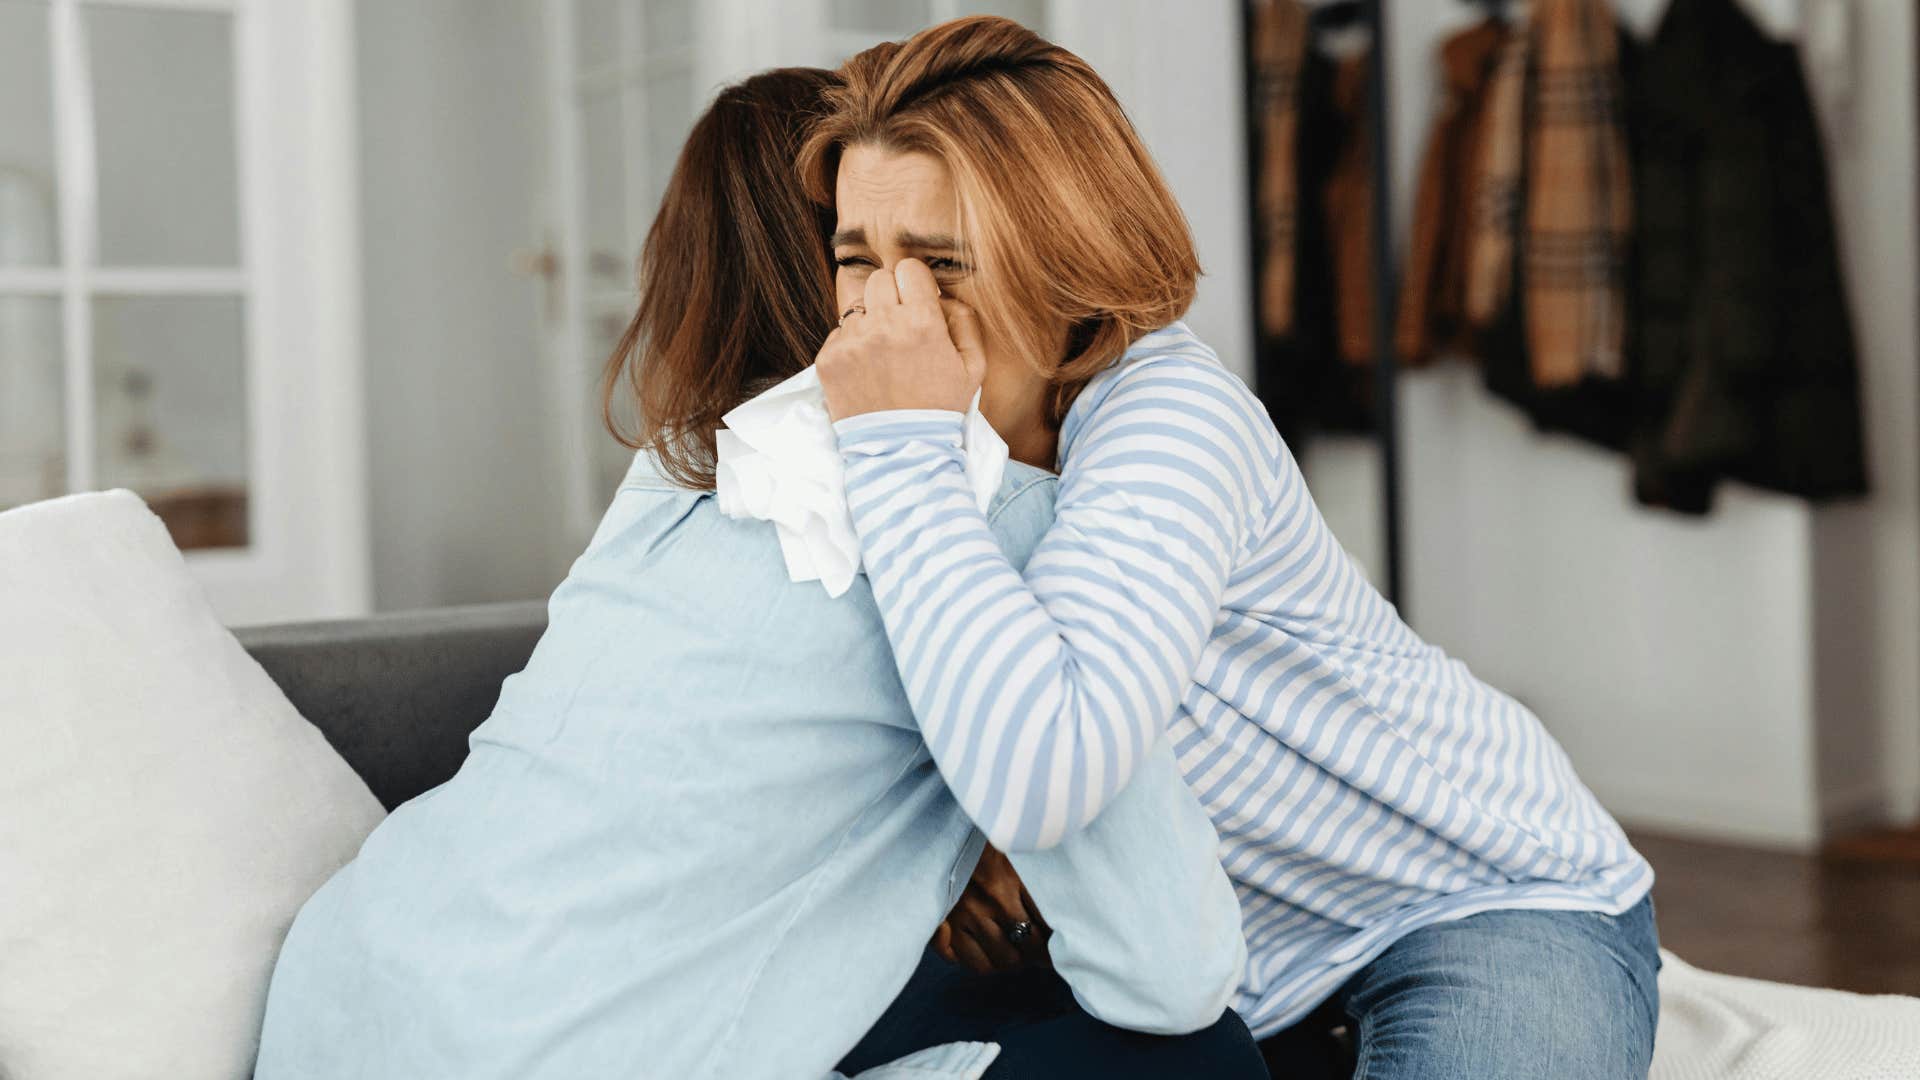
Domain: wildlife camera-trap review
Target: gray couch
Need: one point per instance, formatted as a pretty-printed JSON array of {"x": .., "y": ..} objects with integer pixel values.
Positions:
[{"x": 398, "y": 694}]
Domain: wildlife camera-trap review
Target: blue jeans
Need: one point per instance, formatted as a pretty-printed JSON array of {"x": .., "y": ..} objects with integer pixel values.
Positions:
[
  {"x": 1043, "y": 1033},
  {"x": 1498, "y": 995},
  {"x": 1501, "y": 995}
]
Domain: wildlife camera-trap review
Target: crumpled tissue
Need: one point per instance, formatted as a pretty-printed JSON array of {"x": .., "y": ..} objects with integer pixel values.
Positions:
[{"x": 778, "y": 460}]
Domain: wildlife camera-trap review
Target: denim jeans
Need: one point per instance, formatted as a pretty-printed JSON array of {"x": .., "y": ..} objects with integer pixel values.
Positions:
[{"x": 1503, "y": 994}]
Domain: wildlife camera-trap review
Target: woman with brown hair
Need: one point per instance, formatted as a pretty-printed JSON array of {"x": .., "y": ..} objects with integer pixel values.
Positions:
[
  {"x": 1415, "y": 857},
  {"x": 699, "y": 836}
]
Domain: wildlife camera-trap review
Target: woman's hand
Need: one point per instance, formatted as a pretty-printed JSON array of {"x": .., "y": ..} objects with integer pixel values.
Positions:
[
  {"x": 975, "y": 932},
  {"x": 909, "y": 349}
]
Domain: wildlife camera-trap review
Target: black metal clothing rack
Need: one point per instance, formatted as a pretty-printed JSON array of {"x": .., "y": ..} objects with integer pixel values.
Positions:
[{"x": 1371, "y": 14}]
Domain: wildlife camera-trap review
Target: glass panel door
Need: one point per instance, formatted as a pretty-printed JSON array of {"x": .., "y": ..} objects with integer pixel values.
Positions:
[
  {"x": 33, "y": 461},
  {"x": 170, "y": 387},
  {"x": 29, "y": 231},
  {"x": 168, "y": 294},
  {"x": 178, "y": 283},
  {"x": 163, "y": 118},
  {"x": 123, "y": 293}
]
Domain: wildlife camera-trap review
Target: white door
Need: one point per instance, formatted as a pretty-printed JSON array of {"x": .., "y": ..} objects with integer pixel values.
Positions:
[
  {"x": 626, "y": 80},
  {"x": 178, "y": 283}
]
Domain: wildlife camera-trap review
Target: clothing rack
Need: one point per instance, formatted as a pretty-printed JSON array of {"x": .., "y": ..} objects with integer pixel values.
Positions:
[
  {"x": 1386, "y": 287},
  {"x": 1371, "y": 14}
]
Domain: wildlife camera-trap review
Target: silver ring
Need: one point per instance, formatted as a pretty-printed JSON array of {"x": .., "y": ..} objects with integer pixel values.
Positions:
[
  {"x": 857, "y": 309},
  {"x": 1019, "y": 933}
]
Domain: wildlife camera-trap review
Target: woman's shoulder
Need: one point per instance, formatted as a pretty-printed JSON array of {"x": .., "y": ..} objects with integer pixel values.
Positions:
[
  {"x": 658, "y": 542},
  {"x": 1174, "y": 341},
  {"x": 1169, "y": 370},
  {"x": 656, "y": 532}
]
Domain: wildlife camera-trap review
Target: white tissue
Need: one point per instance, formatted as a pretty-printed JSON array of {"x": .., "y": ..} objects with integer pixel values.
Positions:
[{"x": 779, "y": 461}]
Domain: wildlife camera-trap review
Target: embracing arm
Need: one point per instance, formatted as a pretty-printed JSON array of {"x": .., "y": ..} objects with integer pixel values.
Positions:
[
  {"x": 1039, "y": 695},
  {"x": 1146, "y": 925},
  {"x": 1134, "y": 911}
]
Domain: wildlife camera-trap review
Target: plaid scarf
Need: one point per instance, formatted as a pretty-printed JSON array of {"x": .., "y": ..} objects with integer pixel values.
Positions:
[
  {"x": 1579, "y": 208},
  {"x": 1496, "y": 183},
  {"x": 1279, "y": 47}
]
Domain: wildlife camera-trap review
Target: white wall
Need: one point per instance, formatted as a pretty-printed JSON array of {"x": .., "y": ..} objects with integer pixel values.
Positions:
[
  {"x": 1176, "y": 69},
  {"x": 463, "y": 501},
  {"x": 1866, "y": 557}
]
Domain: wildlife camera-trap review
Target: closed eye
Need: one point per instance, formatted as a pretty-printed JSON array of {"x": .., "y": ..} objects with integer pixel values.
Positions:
[
  {"x": 946, "y": 266},
  {"x": 854, "y": 260}
]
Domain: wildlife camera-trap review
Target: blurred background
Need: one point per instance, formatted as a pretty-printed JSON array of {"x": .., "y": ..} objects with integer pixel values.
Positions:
[{"x": 329, "y": 283}]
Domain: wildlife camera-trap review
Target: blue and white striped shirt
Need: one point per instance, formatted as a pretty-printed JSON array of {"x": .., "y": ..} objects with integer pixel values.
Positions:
[{"x": 1363, "y": 782}]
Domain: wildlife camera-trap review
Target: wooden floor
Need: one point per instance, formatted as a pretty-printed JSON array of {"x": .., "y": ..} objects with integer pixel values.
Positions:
[{"x": 1838, "y": 920}]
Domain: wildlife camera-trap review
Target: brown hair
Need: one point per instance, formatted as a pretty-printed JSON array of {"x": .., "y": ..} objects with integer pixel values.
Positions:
[
  {"x": 1059, "y": 199},
  {"x": 736, "y": 287}
]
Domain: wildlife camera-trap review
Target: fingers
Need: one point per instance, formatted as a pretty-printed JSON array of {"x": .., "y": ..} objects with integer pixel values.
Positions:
[
  {"x": 992, "y": 941},
  {"x": 967, "y": 952},
  {"x": 1036, "y": 946},
  {"x": 996, "y": 878},
  {"x": 963, "y": 326},
  {"x": 1003, "y": 888},
  {"x": 943, "y": 942},
  {"x": 882, "y": 291},
  {"x": 1012, "y": 906},
  {"x": 914, "y": 282},
  {"x": 895, "y": 355},
  {"x": 1033, "y": 910},
  {"x": 998, "y": 885},
  {"x": 978, "y": 918}
]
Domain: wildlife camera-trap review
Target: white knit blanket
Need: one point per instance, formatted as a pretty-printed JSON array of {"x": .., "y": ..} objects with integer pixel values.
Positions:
[{"x": 1724, "y": 1027}]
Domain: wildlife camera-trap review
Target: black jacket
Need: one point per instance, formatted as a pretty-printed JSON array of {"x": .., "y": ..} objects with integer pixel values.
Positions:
[
  {"x": 1741, "y": 350},
  {"x": 1740, "y": 356}
]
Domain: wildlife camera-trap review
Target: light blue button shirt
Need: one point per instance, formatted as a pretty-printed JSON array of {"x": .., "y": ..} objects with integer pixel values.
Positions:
[{"x": 700, "y": 836}]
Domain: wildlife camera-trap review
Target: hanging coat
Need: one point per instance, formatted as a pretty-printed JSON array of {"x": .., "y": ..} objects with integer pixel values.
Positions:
[
  {"x": 1307, "y": 124},
  {"x": 1741, "y": 344},
  {"x": 1506, "y": 309},
  {"x": 1433, "y": 316}
]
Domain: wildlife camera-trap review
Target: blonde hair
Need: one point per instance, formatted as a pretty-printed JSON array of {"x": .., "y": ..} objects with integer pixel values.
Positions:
[{"x": 1065, "y": 216}]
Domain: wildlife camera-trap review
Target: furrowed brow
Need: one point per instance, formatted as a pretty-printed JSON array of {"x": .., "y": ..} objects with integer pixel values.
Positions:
[
  {"x": 849, "y": 237},
  {"x": 919, "y": 242}
]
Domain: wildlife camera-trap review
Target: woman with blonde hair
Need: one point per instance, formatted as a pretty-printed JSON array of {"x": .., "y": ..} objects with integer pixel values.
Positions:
[{"x": 1415, "y": 858}]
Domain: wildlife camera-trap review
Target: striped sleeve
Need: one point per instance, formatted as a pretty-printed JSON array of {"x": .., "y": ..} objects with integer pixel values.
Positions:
[{"x": 1037, "y": 695}]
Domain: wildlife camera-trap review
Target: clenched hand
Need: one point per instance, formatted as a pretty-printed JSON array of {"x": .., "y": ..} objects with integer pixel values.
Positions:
[
  {"x": 911, "y": 348},
  {"x": 975, "y": 931}
]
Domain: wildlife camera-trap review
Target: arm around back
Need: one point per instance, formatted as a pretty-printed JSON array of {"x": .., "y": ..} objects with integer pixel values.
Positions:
[{"x": 1146, "y": 925}]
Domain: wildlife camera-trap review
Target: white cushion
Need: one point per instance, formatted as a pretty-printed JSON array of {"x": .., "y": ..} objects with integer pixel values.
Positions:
[{"x": 164, "y": 811}]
